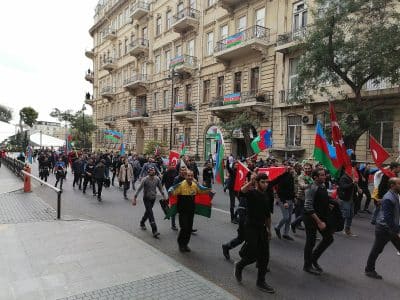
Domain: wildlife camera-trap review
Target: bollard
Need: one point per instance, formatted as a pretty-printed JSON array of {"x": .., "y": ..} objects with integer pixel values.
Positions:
[{"x": 27, "y": 179}]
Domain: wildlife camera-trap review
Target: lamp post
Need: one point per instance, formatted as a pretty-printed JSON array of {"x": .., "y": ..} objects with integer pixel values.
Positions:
[{"x": 83, "y": 125}]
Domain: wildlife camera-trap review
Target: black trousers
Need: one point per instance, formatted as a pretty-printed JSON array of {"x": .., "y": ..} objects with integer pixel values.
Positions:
[
  {"x": 113, "y": 177},
  {"x": 298, "y": 212},
  {"x": 126, "y": 187},
  {"x": 232, "y": 198},
  {"x": 86, "y": 181},
  {"x": 148, "y": 214},
  {"x": 100, "y": 182},
  {"x": 382, "y": 237},
  {"x": 186, "y": 224},
  {"x": 77, "y": 180},
  {"x": 311, "y": 254},
  {"x": 367, "y": 201},
  {"x": 240, "y": 234}
]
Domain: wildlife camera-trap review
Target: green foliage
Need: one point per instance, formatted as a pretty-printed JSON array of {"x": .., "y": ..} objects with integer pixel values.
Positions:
[
  {"x": 28, "y": 115},
  {"x": 150, "y": 147},
  {"x": 5, "y": 114},
  {"x": 350, "y": 42},
  {"x": 66, "y": 115}
]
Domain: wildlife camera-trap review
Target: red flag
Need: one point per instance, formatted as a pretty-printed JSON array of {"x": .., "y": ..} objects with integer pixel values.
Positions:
[
  {"x": 240, "y": 179},
  {"x": 272, "y": 172},
  {"x": 338, "y": 142},
  {"x": 379, "y": 154},
  {"x": 173, "y": 158}
]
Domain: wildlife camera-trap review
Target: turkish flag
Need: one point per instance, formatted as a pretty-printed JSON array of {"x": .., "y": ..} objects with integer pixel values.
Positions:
[
  {"x": 173, "y": 158},
  {"x": 272, "y": 172},
  {"x": 240, "y": 179},
  {"x": 379, "y": 154}
]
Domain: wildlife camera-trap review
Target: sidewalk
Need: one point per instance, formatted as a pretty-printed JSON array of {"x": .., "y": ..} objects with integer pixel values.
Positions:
[{"x": 41, "y": 258}]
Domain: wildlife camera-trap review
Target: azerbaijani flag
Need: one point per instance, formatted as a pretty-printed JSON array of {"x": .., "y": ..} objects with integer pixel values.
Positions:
[
  {"x": 262, "y": 141},
  {"x": 219, "y": 161},
  {"x": 234, "y": 40},
  {"x": 179, "y": 106},
  {"x": 233, "y": 98},
  {"x": 122, "y": 149},
  {"x": 115, "y": 136},
  {"x": 183, "y": 147},
  {"x": 326, "y": 153},
  {"x": 176, "y": 61},
  {"x": 202, "y": 201}
]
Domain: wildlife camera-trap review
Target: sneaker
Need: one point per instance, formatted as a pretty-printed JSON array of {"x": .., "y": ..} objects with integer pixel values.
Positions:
[
  {"x": 288, "y": 237},
  {"x": 349, "y": 233},
  {"x": 237, "y": 272},
  {"x": 156, "y": 235},
  {"x": 234, "y": 221},
  {"x": 293, "y": 228},
  {"x": 99, "y": 199},
  {"x": 367, "y": 211},
  {"x": 263, "y": 286},
  {"x": 278, "y": 233},
  {"x": 225, "y": 252},
  {"x": 174, "y": 228},
  {"x": 299, "y": 227},
  {"x": 398, "y": 253},
  {"x": 184, "y": 249},
  {"x": 194, "y": 230},
  {"x": 373, "y": 274},
  {"x": 317, "y": 267},
  {"x": 143, "y": 226},
  {"x": 311, "y": 270}
]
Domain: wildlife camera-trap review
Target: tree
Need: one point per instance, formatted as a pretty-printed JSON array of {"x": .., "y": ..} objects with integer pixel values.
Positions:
[
  {"x": 246, "y": 124},
  {"x": 63, "y": 116},
  {"x": 350, "y": 42},
  {"x": 82, "y": 129},
  {"x": 151, "y": 146},
  {"x": 5, "y": 114},
  {"x": 28, "y": 115}
]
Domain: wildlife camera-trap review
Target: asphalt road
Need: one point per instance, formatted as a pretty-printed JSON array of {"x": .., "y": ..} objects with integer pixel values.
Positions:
[{"x": 343, "y": 262}]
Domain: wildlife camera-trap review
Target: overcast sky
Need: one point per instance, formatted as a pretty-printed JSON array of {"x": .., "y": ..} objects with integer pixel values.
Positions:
[{"x": 42, "y": 54}]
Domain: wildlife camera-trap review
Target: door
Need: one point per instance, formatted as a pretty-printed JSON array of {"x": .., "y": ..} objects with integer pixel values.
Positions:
[{"x": 139, "y": 140}]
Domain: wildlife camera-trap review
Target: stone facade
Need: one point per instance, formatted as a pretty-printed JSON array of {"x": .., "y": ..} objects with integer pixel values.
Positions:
[{"x": 200, "y": 63}]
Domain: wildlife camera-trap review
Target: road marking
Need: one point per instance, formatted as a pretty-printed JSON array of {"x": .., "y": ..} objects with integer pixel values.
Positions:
[{"x": 221, "y": 210}]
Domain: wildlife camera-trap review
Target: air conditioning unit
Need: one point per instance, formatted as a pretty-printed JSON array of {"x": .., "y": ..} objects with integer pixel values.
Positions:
[{"x": 308, "y": 119}]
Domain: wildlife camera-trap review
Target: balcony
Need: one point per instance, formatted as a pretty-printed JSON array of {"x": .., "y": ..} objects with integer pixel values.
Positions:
[
  {"x": 110, "y": 121},
  {"x": 139, "y": 47},
  {"x": 185, "y": 20},
  {"x": 89, "y": 76},
  {"x": 288, "y": 97},
  {"x": 108, "y": 92},
  {"x": 140, "y": 9},
  {"x": 89, "y": 54},
  {"x": 89, "y": 99},
  {"x": 184, "y": 111},
  {"x": 109, "y": 64},
  {"x": 229, "y": 5},
  {"x": 184, "y": 64},
  {"x": 290, "y": 39},
  {"x": 257, "y": 100},
  {"x": 109, "y": 34},
  {"x": 136, "y": 82},
  {"x": 380, "y": 89},
  {"x": 137, "y": 115},
  {"x": 252, "y": 40}
]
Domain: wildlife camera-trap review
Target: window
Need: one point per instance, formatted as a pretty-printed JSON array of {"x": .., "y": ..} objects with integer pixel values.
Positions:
[
  {"x": 176, "y": 136},
  {"x": 167, "y": 59},
  {"x": 254, "y": 79},
  {"x": 145, "y": 33},
  {"x": 383, "y": 130},
  {"x": 155, "y": 101},
  {"x": 155, "y": 134},
  {"x": 293, "y": 137},
  {"x": 165, "y": 99},
  {"x": 158, "y": 26},
  {"x": 158, "y": 64},
  {"x": 260, "y": 17},
  {"x": 206, "y": 91},
  {"x": 220, "y": 86},
  {"x": 176, "y": 95},
  {"x": 190, "y": 48},
  {"x": 192, "y": 4},
  {"x": 237, "y": 82},
  {"x": 178, "y": 50},
  {"x": 187, "y": 137},
  {"x": 120, "y": 53},
  {"x": 210, "y": 3},
  {"x": 143, "y": 70},
  {"x": 223, "y": 32},
  {"x": 188, "y": 94},
  {"x": 293, "y": 76},
  {"x": 210, "y": 43},
  {"x": 165, "y": 135},
  {"x": 126, "y": 46},
  {"x": 241, "y": 24},
  {"x": 299, "y": 17},
  {"x": 168, "y": 17}
]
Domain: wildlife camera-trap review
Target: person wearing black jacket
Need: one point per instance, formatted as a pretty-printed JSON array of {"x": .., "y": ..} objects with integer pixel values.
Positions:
[
  {"x": 100, "y": 175},
  {"x": 316, "y": 216},
  {"x": 363, "y": 177},
  {"x": 347, "y": 189},
  {"x": 208, "y": 176},
  {"x": 232, "y": 193},
  {"x": 89, "y": 176},
  {"x": 77, "y": 170}
]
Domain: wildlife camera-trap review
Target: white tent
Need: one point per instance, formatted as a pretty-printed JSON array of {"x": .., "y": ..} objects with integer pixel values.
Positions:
[{"x": 45, "y": 140}]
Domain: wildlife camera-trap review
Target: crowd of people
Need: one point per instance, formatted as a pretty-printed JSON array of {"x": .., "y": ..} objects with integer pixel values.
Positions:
[{"x": 307, "y": 196}]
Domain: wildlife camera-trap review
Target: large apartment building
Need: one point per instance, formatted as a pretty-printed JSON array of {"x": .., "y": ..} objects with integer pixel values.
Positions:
[{"x": 173, "y": 71}]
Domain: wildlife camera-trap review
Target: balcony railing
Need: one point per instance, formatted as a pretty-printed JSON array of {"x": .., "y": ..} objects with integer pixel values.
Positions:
[
  {"x": 252, "y": 96},
  {"x": 109, "y": 120},
  {"x": 137, "y": 112},
  {"x": 291, "y": 36},
  {"x": 180, "y": 106},
  {"x": 373, "y": 85},
  {"x": 109, "y": 64},
  {"x": 254, "y": 32},
  {"x": 183, "y": 60},
  {"x": 108, "y": 92},
  {"x": 89, "y": 76},
  {"x": 139, "y": 9},
  {"x": 187, "y": 12},
  {"x": 138, "y": 46},
  {"x": 186, "y": 19},
  {"x": 138, "y": 79},
  {"x": 109, "y": 33},
  {"x": 288, "y": 97}
]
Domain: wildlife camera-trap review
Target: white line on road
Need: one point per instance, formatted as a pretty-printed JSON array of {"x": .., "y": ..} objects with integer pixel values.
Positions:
[{"x": 221, "y": 210}]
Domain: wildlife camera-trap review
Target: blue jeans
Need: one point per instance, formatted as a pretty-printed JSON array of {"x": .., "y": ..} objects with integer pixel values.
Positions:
[
  {"x": 286, "y": 217},
  {"x": 347, "y": 208}
]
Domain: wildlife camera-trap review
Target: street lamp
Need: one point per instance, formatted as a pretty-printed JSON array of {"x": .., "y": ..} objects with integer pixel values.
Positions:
[{"x": 83, "y": 125}]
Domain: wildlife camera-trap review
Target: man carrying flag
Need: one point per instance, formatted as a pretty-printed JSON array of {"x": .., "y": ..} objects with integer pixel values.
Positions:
[{"x": 185, "y": 193}]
